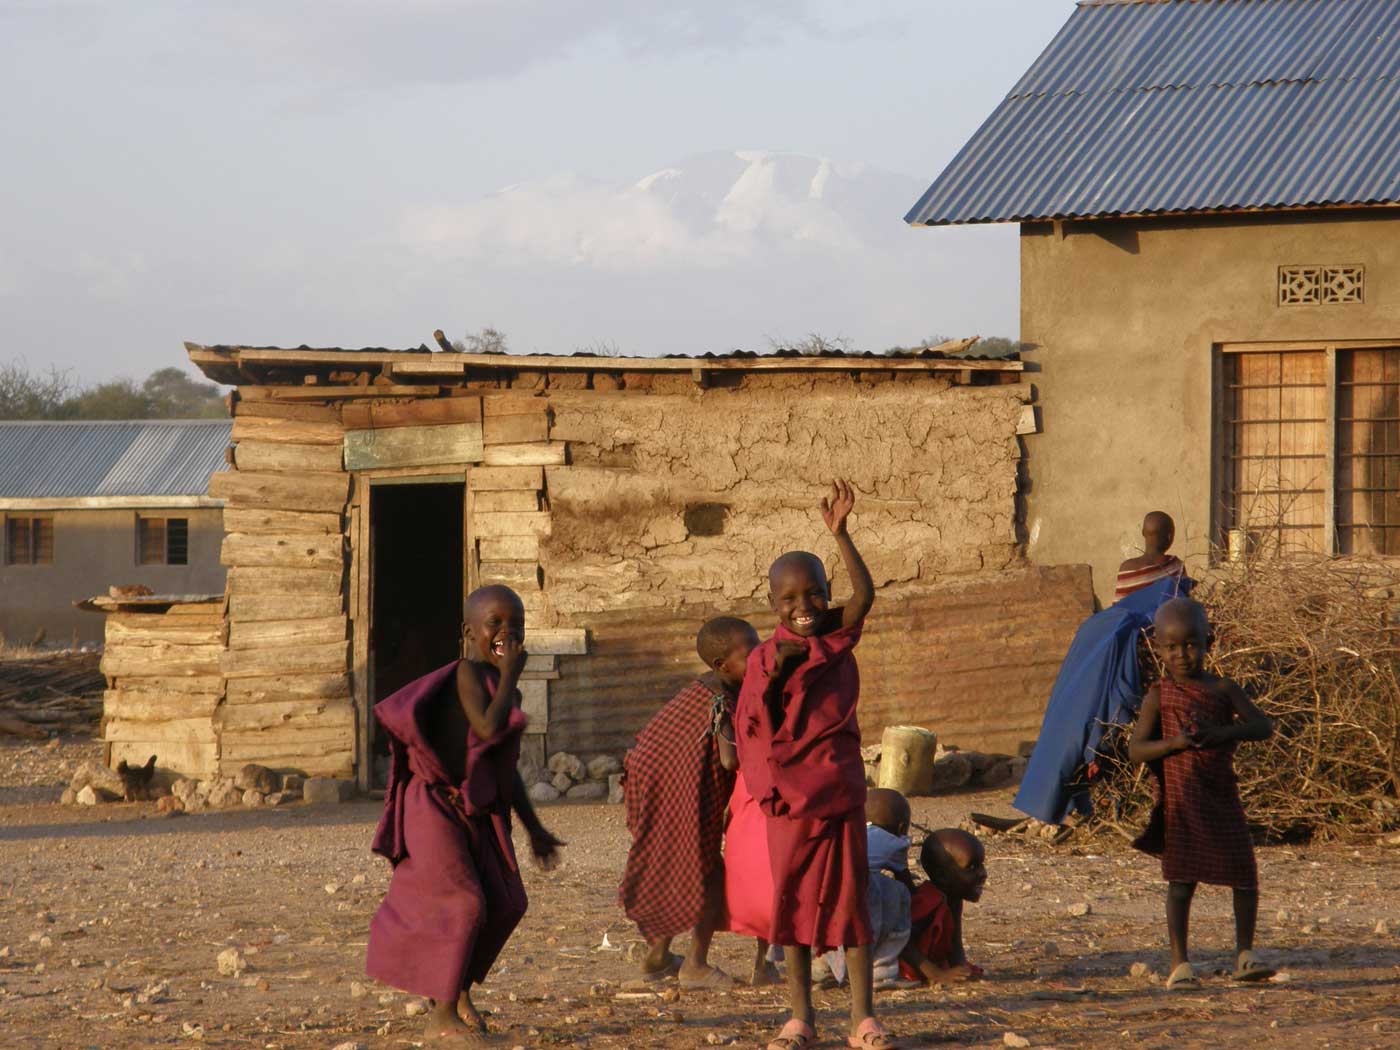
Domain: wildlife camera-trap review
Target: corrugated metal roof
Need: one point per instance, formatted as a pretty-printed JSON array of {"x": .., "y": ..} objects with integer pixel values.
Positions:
[
  {"x": 1181, "y": 107},
  {"x": 44, "y": 460}
]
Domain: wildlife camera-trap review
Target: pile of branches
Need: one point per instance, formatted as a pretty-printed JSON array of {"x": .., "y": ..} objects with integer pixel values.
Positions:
[{"x": 1316, "y": 645}]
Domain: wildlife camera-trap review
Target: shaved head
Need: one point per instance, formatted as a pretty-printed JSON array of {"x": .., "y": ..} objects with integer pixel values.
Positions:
[
  {"x": 1184, "y": 612},
  {"x": 1158, "y": 531},
  {"x": 719, "y": 636},
  {"x": 482, "y": 597},
  {"x": 796, "y": 561},
  {"x": 955, "y": 862},
  {"x": 888, "y": 809}
]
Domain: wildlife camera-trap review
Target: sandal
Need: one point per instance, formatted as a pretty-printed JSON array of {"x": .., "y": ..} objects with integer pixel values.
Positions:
[
  {"x": 1183, "y": 977},
  {"x": 672, "y": 967},
  {"x": 1250, "y": 968},
  {"x": 872, "y": 1035},
  {"x": 795, "y": 1035},
  {"x": 715, "y": 980}
]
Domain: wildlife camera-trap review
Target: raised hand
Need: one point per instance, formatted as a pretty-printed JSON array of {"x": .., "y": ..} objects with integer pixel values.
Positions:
[
  {"x": 508, "y": 654},
  {"x": 837, "y": 506}
]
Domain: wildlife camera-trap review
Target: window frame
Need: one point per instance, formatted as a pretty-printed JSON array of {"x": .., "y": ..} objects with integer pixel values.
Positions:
[
  {"x": 32, "y": 559},
  {"x": 1220, "y": 441},
  {"x": 164, "y": 521}
]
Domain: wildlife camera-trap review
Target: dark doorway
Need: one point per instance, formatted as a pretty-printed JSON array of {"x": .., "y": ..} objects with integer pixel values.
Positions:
[{"x": 416, "y": 554}]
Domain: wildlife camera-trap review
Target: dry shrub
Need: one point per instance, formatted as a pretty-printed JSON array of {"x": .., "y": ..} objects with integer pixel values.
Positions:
[{"x": 1314, "y": 644}]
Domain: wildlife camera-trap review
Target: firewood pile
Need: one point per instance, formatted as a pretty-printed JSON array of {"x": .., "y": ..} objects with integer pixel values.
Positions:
[
  {"x": 46, "y": 693},
  {"x": 1316, "y": 645}
]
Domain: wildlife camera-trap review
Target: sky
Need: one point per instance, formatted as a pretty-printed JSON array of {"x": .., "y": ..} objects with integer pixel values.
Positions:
[{"x": 646, "y": 176}]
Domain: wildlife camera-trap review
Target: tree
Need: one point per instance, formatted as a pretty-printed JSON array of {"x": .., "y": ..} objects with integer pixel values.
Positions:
[
  {"x": 174, "y": 395},
  {"x": 486, "y": 341},
  {"x": 812, "y": 345},
  {"x": 167, "y": 393},
  {"x": 26, "y": 395}
]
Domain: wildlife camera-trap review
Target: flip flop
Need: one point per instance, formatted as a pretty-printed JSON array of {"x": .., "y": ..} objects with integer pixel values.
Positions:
[
  {"x": 872, "y": 1035},
  {"x": 1183, "y": 977},
  {"x": 795, "y": 1035},
  {"x": 713, "y": 981},
  {"x": 672, "y": 967},
  {"x": 1250, "y": 968}
]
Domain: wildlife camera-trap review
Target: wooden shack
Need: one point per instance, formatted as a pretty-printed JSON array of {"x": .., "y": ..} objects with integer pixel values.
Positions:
[{"x": 626, "y": 500}]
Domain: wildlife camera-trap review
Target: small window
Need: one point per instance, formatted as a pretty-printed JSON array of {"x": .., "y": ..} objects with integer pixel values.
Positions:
[
  {"x": 163, "y": 541},
  {"x": 29, "y": 541}
]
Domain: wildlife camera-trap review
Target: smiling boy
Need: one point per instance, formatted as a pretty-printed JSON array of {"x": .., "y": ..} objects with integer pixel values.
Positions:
[{"x": 799, "y": 752}]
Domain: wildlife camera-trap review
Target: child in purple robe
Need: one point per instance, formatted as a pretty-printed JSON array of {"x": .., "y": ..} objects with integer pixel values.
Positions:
[{"x": 456, "y": 894}]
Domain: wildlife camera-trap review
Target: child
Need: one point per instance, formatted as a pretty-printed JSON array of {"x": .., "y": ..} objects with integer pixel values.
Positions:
[
  {"x": 1188, "y": 728},
  {"x": 887, "y": 851},
  {"x": 456, "y": 894},
  {"x": 956, "y": 866},
  {"x": 799, "y": 752},
  {"x": 678, "y": 779},
  {"x": 1158, "y": 533}
]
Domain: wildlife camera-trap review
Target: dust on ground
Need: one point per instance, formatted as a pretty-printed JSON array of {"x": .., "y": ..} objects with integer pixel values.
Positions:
[{"x": 112, "y": 919}]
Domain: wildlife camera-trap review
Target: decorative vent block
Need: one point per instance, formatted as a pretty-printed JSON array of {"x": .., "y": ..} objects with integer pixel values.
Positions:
[{"x": 1320, "y": 285}]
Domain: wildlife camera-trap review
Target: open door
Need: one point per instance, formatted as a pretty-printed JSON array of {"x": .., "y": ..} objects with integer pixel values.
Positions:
[{"x": 416, "y": 589}]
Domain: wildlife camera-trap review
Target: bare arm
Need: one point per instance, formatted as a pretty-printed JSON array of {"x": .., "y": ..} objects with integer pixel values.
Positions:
[
  {"x": 836, "y": 508},
  {"x": 489, "y": 720},
  {"x": 724, "y": 739},
  {"x": 543, "y": 845},
  {"x": 1147, "y": 744},
  {"x": 1250, "y": 723}
]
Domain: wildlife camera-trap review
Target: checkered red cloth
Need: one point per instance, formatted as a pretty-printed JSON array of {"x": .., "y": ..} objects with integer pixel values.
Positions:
[
  {"x": 1207, "y": 836},
  {"x": 676, "y": 792}
]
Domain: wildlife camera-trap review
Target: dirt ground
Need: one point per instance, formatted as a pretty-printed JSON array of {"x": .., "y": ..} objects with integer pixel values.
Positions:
[{"x": 111, "y": 921}]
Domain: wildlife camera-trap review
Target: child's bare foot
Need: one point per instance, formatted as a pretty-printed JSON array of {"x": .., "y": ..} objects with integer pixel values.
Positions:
[
  {"x": 445, "y": 1028},
  {"x": 764, "y": 973},
  {"x": 469, "y": 1014},
  {"x": 654, "y": 969},
  {"x": 703, "y": 978}
]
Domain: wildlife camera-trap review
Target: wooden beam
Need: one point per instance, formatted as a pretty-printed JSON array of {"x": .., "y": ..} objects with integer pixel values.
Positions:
[
  {"x": 370, "y": 415},
  {"x": 21, "y": 503},
  {"x": 544, "y": 454},
  {"x": 516, "y": 429},
  {"x": 318, "y": 493},
  {"x": 249, "y": 608},
  {"x": 273, "y": 633},
  {"x": 320, "y": 551},
  {"x": 324, "y": 393},
  {"x": 288, "y": 431},
  {"x": 493, "y": 525},
  {"x": 499, "y": 479},
  {"x": 271, "y": 688},
  {"x": 274, "y": 456},
  {"x": 263, "y": 580},
  {"x": 556, "y": 641},
  {"x": 509, "y": 548},
  {"x": 257, "y": 520},
  {"x": 518, "y": 575},
  {"x": 441, "y": 339},
  {"x": 506, "y": 502},
  {"x": 326, "y": 659},
  {"x": 413, "y": 446}
]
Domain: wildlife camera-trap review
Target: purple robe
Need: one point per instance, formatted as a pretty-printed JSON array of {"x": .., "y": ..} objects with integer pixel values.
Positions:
[{"x": 456, "y": 894}]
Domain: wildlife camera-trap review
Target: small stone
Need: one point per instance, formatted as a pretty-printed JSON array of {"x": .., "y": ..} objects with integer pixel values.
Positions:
[
  {"x": 1284, "y": 915},
  {"x": 951, "y": 771},
  {"x": 253, "y": 798},
  {"x": 280, "y": 798},
  {"x": 253, "y": 777},
  {"x": 1139, "y": 970},
  {"x": 544, "y": 793},
  {"x": 588, "y": 791},
  {"x": 561, "y": 782},
  {"x": 332, "y": 888},
  {"x": 995, "y": 775},
  {"x": 1012, "y": 1039},
  {"x": 358, "y": 990},
  {"x": 1050, "y": 950},
  {"x": 327, "y": 789},
  {"x": 715, "y": 1039},
  {"x": 603, "y": 766},
  {"x": 223, "y": 793},
  {"x": 350, "y": 1046},
  {"x": 1307, "y": 929},
  {"x": 87, "y": 796},
  {"x": 169, "y": 804},
  {"x": 294, "y": 783},
  {"x": 263, "y": 985},
  {"x": 1382, "y": 928},
  {"x": 415, "y": 1007},
  {"x": 1080, "y": 909},
  {"x": 68, "y": 797},
  {"x": 45, "y": 941},
  {"x": 193, "y": 1031},
  {"x": 616, "y": 794},
  {"x": 570, "y": 765},
  {"x": 5, "y": 952},
  {"x": 669, "y": 994},
  {"x": 231, "y": 962}
]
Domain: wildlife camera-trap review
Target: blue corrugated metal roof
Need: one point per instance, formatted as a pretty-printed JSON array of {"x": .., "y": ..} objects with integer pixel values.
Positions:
[
  {"x": 41, "y": 460},
  {"x": 1179, "y": 106}
]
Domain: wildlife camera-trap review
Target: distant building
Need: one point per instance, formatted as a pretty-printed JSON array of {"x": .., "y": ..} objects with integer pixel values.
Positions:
[
  {"x": 84, "y": 506},
  {"x": 1210, "y": 274}
]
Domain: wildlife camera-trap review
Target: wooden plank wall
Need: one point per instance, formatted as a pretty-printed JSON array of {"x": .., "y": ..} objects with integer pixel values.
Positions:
[
  {"x": 164, "y": 687},
  {"x": 287, "y": 694}
]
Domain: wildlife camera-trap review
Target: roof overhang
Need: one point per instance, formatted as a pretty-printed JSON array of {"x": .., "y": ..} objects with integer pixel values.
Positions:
[
  {"x": 47, "y": 503},
  {"x": 245, "y": 365}
]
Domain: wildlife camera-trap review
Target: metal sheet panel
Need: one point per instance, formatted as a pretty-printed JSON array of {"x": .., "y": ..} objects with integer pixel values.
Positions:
[
  {"x": 972, "y": 658},
  {"x": 47, "y": 460},
  {"x": 1150, "y": 108}
]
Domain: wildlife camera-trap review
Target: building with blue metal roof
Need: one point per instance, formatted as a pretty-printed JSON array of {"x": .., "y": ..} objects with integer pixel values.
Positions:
[
  {"x": 88, "y": 505},
  {"x": 1207, "y": 193}
]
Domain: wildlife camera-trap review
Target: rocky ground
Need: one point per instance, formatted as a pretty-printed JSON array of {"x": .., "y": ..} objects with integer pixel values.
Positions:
[{"x": 113, "y": 920}]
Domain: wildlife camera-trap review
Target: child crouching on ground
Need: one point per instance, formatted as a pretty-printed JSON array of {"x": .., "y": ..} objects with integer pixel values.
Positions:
[
  {"x": 456, "y": 895},
  {"x": 679, "y": 777},
  {"x": 887, "y": 858},
  {"x": 1189, "y": 726},
  {"x": 956, "y": 866}
]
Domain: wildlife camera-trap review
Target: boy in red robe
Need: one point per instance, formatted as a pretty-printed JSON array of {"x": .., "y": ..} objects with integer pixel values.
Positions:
[
  {"x": 956, "y": 866},
  {"x": 678, "y": 779},
  {"x": 456, "y": 894},
  {"x": 799, "y": 752},
  {"x": 1189, "y": 726}
]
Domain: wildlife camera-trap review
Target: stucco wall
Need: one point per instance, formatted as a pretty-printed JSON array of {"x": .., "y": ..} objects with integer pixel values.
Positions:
[
  {"x": 1123, "y": 318},
  {"x": 681, "y": 495},
  {"x": 92, "y": 550}
]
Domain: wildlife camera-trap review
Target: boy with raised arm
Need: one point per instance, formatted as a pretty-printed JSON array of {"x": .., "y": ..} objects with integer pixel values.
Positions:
[
  {"x": 799, "y": 753},
  {"x": 456, "y": 894}
]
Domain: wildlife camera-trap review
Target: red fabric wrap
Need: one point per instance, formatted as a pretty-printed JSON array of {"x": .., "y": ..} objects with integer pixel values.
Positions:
[
  {"x": 675, "y": 789},
  {"x": 1206, "y": 834},
  {"x": 456, "y": 894},
  {"x": 820, "y": 882},
  {"x": 931, "y": 929}
]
